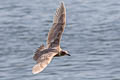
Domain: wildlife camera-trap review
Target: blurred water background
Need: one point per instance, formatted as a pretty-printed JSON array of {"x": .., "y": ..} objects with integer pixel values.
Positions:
[{"x": 92, "y": 36}]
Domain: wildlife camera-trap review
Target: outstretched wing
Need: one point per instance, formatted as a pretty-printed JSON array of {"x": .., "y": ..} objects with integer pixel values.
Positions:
[
  {"x": 37, "y": 53},
  {"x": 43, "y": 61},
  {"x": 55, "y": 32}
]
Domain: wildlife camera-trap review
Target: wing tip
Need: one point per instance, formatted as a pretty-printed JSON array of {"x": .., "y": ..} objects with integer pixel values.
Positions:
[
  {"x": 61, "y": 10},
  {"x": 36, "y": 69},
  {"x": 62, "y": 3},
  {"x": 62, "y": 6}
]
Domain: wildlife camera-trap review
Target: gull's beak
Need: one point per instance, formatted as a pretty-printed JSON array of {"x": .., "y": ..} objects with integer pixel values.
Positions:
[{"x": 68, "y": 54}]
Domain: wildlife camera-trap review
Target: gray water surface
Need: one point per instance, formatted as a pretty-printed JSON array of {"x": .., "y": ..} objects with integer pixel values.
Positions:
[{"x": 92, "y": 36}]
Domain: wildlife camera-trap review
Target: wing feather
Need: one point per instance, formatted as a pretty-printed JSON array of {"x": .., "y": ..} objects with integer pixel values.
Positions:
[
  {"x": 55, "y": 32},
  {"x": 43, "y": 61}
]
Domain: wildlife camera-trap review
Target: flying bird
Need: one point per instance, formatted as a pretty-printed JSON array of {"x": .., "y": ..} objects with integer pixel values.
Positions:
[{"x": 44, "y": 55}]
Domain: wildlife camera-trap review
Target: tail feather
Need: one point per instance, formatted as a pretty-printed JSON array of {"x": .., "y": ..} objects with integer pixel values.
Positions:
[{"x": 37, "y": 53}]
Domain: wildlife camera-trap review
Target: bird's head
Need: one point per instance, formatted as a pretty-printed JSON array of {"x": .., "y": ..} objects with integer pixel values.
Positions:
[{"x": 63, "y": 52}]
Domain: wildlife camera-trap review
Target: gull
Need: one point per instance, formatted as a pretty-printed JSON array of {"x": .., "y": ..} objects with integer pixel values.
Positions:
[{"x": 44, "y": 55}]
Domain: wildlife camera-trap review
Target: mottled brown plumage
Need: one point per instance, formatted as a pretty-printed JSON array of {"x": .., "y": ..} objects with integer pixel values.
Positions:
[
  {"x": 44, "y": 55},
  {"x": 55, "y": 32},
  {"x": 36, "y": 55}
]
